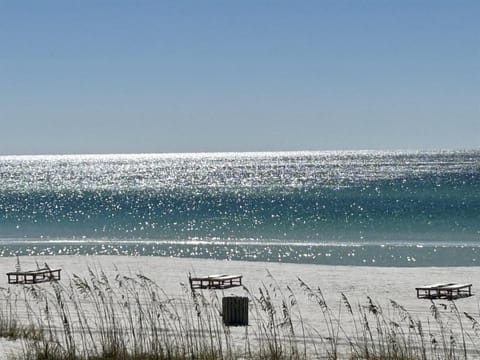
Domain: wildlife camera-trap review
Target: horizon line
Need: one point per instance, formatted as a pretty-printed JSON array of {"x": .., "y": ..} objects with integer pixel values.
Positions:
[{"x": 246, "y": 152}]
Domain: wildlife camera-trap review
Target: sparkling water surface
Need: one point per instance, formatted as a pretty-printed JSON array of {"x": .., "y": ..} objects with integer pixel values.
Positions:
[{"x": 354, "y": 208}]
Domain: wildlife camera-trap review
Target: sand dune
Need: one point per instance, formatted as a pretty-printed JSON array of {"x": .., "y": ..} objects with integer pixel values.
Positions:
[{"x": 381, "y": 284}]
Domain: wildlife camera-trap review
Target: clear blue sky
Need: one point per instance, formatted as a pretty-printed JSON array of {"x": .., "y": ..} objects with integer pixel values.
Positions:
[{"x": 185, "y": 76}]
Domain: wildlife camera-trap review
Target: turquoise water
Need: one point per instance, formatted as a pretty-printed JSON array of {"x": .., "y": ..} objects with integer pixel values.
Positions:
[{"x": 371, "y": 208}]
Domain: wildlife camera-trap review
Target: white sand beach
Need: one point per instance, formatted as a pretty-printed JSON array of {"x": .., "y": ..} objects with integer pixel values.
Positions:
[{"x": 381, "y": 284}]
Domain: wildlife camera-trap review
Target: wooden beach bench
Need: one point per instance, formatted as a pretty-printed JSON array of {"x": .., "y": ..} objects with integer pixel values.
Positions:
[
  {"x": 33, "y": 276},
  {"x": 444, "y": 291},
  {"x": 222, "y": 281}
]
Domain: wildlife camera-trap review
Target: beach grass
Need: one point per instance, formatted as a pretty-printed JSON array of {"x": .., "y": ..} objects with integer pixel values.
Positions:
[{"x": 131, "y": 317}]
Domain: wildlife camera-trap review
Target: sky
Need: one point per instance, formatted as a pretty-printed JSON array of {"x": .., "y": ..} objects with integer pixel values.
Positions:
[{"x": 156, "y": 76}]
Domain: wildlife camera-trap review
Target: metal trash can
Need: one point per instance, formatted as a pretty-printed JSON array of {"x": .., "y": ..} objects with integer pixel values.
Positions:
[{"x": 235, "y": 310}]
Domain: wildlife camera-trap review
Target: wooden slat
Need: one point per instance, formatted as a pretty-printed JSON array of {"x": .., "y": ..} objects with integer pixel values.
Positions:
[{"x": 457, "y": 286}]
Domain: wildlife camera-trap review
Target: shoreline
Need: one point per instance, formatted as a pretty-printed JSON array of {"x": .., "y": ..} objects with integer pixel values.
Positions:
[{"x": 350, "y": 255}]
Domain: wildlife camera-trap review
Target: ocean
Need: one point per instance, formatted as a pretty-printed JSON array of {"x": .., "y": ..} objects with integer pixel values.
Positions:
[{"x": 380, "y": 208}]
